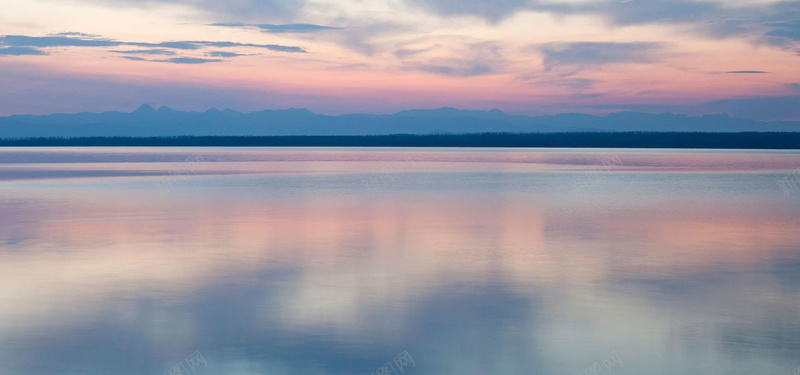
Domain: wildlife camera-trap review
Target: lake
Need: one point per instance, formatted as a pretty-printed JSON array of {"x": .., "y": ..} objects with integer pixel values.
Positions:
[{"x": 398, "y": 261}]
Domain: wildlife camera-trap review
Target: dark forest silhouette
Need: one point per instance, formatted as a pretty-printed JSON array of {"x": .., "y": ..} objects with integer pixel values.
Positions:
[{"x": 744, "y": 140}]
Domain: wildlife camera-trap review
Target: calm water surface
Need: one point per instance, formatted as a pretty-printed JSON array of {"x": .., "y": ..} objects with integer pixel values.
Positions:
[{"x": 335, "y": 261}]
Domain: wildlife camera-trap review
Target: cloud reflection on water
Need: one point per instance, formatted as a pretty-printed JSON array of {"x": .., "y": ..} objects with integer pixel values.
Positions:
[{"x": 474, "y": 272}]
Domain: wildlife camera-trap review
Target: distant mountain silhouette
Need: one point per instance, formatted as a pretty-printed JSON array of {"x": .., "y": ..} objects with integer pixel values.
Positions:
[{"x": 165, "y": 121}]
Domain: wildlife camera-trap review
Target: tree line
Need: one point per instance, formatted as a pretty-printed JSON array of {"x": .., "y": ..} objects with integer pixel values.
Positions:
[{"x": 743, "y": 140}]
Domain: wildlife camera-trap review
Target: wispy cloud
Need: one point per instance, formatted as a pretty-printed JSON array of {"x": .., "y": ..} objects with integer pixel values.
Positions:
[
  {"x": 772, "y": 22},
  {"x": 21, "y": 51},
  {"x": 367, "y": 38},
  {"x": 75, "y": 33},
  {"x": 402, "y": 53},
  {"x": 189, "y": 60},
  {"x": 279, "y": 9},
  {"x": 299, "y": 28},
  {"x": 225, "y": 54},
  {"x": 177, "y": 60},
  {"x": 477, "y": 59},
  {"x": 576, "y": 83},
  {"x": 492, "y": 11},
  {"x": 458, "y": 68},
  {"x": 174, "y": 45},
  {"x": 272, "y": 47},
  {"x": 147, "y": 52},
  {"x": 587, "y": 96},
  {"x": 786, "y": 31},
  {"x": 195, "y": 45},
  {"x": 747, "y": 72},
  {"x": 275, "y": 47},
  {"x": 55, "y": 41},
  {"x": 588, "y": 54},
  {"x": 295, "y": 28},
  {"x": 17, "y": 45},
  {"x": 58, "y": 41}
]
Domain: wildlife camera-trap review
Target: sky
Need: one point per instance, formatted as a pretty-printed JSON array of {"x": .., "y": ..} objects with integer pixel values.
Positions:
[{"x": 740, "y": 57}]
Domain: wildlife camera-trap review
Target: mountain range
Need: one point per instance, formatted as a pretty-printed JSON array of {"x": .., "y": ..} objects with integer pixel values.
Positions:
[{"x": 165, "y": 121}]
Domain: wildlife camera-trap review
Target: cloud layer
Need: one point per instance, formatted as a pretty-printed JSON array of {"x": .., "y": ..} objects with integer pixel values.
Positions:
[{"x": 18, "y": 45}]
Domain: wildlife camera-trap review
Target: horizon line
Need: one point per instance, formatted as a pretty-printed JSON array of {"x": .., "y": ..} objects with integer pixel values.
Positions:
[{"x": 146, "y": 106}]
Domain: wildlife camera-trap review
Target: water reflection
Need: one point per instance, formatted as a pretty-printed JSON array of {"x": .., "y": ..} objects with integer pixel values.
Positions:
[{"x": 474, "y": 262}]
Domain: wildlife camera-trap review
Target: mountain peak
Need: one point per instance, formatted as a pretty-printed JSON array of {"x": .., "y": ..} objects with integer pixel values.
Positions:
[
  {"x": 146, "y": 122},
  {"x": 144, "y": 108}
]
